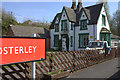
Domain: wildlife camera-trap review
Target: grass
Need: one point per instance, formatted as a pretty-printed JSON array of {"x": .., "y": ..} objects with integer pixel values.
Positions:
[
  {"x": 51, "y": 50},
  {"x": 12, "y": 65},
  {"x": 57, "y": 72}
]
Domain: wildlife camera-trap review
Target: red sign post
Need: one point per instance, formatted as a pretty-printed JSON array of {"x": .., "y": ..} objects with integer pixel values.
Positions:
[{"x": 14, "y": 50}]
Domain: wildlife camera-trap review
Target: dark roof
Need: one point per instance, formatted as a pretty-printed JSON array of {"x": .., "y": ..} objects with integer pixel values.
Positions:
[
  {"x": 28, "y": 31},
  {"x": 71, "y": 14},
  {"x": 78, "y": 15},
  {"x": 94, "y": 13},
  {"x": 52, "y": 24},
  {"x": 114, "y": 37},
  {"x": 87, "y": 12}
]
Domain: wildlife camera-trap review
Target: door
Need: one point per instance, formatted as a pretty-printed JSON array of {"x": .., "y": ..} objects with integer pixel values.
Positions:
[{"x": 63, "y": 44}]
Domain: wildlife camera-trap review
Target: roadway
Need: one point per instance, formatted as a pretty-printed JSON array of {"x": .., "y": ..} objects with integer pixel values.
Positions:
[{"x": 106, "y": 70}]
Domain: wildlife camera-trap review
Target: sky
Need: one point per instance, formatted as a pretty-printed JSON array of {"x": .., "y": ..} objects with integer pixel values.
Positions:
[{"x": 44, "y": 11}]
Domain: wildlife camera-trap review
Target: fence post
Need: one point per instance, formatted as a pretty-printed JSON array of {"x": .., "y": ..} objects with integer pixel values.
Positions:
[
  {"x": 26, "y": 72},
  {"x": 73, "y": 60},
  {"x": 50, "y": 62}
]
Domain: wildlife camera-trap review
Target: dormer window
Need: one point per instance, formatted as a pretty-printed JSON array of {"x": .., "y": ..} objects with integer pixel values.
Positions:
[
  {"x": 83, "y": 24},
  {"x": 64, "y": 25},
  {"x": 56, "y": 27}
]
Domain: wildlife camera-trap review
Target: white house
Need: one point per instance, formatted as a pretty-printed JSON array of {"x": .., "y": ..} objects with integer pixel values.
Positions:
[{"x": 81, "y": 25}]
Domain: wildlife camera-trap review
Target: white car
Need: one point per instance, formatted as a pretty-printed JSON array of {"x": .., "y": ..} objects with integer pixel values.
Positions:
[{"x": 99, "y": 45}]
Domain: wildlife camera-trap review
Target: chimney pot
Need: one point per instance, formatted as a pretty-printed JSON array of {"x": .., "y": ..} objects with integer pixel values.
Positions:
[
  {"x": 73, "y": 4},
  {"x": 79, "y": 6}
]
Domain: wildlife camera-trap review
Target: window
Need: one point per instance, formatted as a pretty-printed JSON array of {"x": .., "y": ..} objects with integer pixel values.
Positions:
[
  {"x": 64, "y": 25},
  {"x": 56, "y": 27},
  {"x": 83, "y": 40},
  {"x": 56, "y": 39},
  {"x": 103, "y": 20},
  {"x": 105, "y": 37},
  {"x": 71, "y": 41},
  {"x": 72, "y": 25},
  {"x": 83, "y": 25}
]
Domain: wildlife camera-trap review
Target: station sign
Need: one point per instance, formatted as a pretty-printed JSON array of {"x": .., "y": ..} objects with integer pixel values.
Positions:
[{"x": 15, "y": 50}]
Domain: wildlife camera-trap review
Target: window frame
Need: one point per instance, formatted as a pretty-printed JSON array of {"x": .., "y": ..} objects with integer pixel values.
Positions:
[
  {"x": 56, "y": 45},
  {"x": 56, "y": 30},
  {"x": 71, "y": 37},
  {"x": 72, "y": 25},
  {"x": 82, "y": 41},
  {"x": 82, "y": 26},
  {"x": 62, "y": 25},
  {"x": 103, "y": 20}
]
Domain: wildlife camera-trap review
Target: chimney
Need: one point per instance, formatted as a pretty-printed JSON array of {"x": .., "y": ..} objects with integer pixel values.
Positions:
[
  {"x": 79, "y": 6},
  {"x": 73, "y": 4}
]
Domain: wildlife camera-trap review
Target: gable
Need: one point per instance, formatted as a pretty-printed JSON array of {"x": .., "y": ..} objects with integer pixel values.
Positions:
[
  {"x": 58, "y": 15},
  {"x": 68, "y": 14},
  {"x": 83, "y": 15},
  {"x": 64, "y": 15},
  {"x": 92, "y": 14},
  {"x": 99, "y": 22},
  {"x": 57, "y": 21}
]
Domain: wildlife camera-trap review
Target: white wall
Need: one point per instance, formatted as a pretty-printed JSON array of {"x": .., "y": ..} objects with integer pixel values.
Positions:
[
  {"x": 69, "y": 32},
  {"x": 99, "y": 24},
  {"x": 52, "y": 39},
  {"x": 85, "y": 17},
  {"x": 93, "y": 30},
  {"x": 90, "y": 31}
]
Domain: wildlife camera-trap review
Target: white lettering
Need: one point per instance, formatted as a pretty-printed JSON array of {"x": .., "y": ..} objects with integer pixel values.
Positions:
[
  {"x": 21, "y": 49},
  {"x": 16, "y": 50},
  {"x": 34, "y": 47},
  {"x": 30, "y": 49},
  {"x": 25, "y": 50},
  {"x": 10, "y": 49},
  {"x": 0, "y": 50},
  {"x": 5, "y": 50}
]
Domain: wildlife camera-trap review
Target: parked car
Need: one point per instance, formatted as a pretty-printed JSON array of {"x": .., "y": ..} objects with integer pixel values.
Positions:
[{"x": 98, "y": 45}]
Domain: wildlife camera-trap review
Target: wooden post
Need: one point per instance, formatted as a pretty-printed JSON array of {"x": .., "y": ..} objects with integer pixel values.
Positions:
[
  {"x": 73, "y": 60},
  {"x": 50, "y": 63}
]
